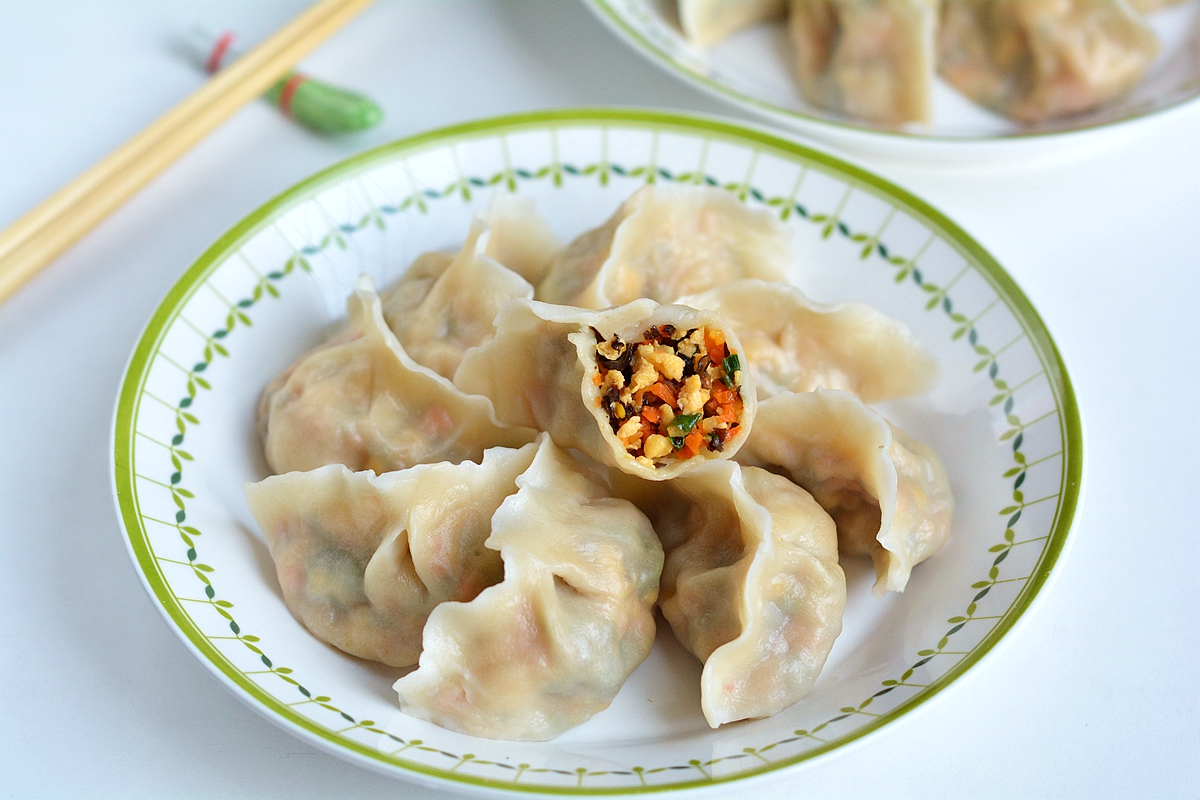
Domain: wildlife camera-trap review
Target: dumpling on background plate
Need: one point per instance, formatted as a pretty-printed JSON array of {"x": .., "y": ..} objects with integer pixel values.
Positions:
[
  {"x": 552, "y": 644},
  {"x": 1034, "y": 60},
  {"x": 665, "y": 242},
  {"x": 795, "y": 345},
  {"x": 361, "y": 401},
  {"x": 888, "y": 493},
  {"x": 650, "y": 389},
  {"x": 873, "y": 60},
  {"x": 362, "y": 560},
  {"x": 751, "y": 586},
  {"x": 707, "y": 22}
]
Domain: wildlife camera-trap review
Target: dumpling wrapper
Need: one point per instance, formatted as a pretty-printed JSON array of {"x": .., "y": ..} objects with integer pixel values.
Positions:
[
  {"x": 361, "y": 401},
  {"x": 751, "y": 586},
  {"x": 362, "y": 560},
  {"x": 795, "y": 345},
  {"x": 541, "y": 372},
  {"x": 872, "y": 60},
  {"x": 665, "y": 242},
  {"x": 888, "y": 493},
  {"x": 707, "y": 22},
  {"x": 444, "y": 305},
  {"x": 1033, "y": 60},
  {"x": 521, "y": 238},
  {"x": 551, "y": 645},
  {"x": 1149, "y": 6}
]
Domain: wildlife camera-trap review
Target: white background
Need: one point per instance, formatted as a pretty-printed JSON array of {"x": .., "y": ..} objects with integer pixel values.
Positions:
[{"x": 1095, "y": 696}]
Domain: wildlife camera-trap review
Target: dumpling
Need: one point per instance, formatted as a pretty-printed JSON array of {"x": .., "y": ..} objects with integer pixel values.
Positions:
[
  {"x": 706, "y": 22},
  {"x": 520, "y": 238},
  {"x": 887, "y": 492},
  {"x": 1033, "y": 60},
  {"x": 445, "y": 304},
  {"x": 868, "y": 59},
  {"x": 651, "y": 390},
  {"x": 362, "y": 560},
  {"x": 795, "y": 345},
  {"x": 359, "y": 400},
  {"x": 1148, "y": 6},
  {"x": 751, "y": 586},
  {"x": 552, "y": 644},
  {"x": 665, "y": 242}
]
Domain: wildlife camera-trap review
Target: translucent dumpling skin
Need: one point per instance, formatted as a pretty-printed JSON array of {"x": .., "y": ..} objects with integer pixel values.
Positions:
[
  {"x": 361, "y": 401},
  {"x": 707, "y": 22},
  {"x": 1036, "y": 60},
  {"x": 665, "y": 242},
  {"x": 362, "y": 560},
  {"x": 888, "y": 493},
  {"x": 751, "y": 586},
  {"x": 550, "y": 646}
]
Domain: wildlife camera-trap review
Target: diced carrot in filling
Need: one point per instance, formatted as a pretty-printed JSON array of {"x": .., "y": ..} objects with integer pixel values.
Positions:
[{"x": 681, "y": 387}]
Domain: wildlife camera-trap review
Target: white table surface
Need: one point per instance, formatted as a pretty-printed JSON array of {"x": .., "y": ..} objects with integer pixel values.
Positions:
[{"x": 1095, "y": 696}]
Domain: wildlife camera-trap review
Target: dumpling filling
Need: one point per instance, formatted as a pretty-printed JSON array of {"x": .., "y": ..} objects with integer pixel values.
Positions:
[{"x": 671, "y": 395}]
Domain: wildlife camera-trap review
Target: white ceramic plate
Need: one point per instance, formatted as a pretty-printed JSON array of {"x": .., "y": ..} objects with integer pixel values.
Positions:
[
  {"x": 752, "y": 70},
  {"x": 1003, "y": 418}
]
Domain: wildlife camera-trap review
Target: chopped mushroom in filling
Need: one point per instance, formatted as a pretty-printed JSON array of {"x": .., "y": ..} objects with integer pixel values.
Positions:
[{"x": 671, "y": 395}]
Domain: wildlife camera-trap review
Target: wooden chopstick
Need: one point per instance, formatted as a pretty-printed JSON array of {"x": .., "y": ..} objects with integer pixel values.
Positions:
[{"x": 34, "y": 240}]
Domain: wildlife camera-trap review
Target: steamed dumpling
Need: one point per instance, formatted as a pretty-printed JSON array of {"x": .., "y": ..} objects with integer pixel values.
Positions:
[
  {"x": 887, "y": 492},
  {"x": 550, "y": 646},
  {"x": 520, "y": 238},
  {"x": 362, "y": 560},
  {"x": 651, "y": 390},
  {"x": 665, "y": 242},
  {"x": 1033, "y": 60},
  {"x": 795, "y": 345},
  {"x": 751, "y": 586},
  {"x": 445, "y": 304},
  {"x": 868, "y": 59},
  {"x": 707, "y": 22},
  {"x": 361, "y": 401}
]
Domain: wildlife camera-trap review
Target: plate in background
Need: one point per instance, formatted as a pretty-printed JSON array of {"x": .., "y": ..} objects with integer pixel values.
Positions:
[
  {"x": 752, "y": 70},
  {"x": 1003, "y": 417}
]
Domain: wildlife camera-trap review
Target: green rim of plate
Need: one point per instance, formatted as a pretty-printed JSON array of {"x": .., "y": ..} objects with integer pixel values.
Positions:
[
  {"x": 634, "y": 38},
  {"x": 138, "y": 369}
]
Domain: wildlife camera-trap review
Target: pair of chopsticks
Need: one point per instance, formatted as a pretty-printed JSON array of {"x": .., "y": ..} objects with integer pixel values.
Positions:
[{"x": 34, "y": 240}]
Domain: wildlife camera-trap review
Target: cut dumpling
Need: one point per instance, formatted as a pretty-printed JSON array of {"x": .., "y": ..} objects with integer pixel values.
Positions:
[
  {"x": 887, "y": 492},
  {"x": 552, "y": 644},
  {"x": 706, "y": 22},
  {"x": 1033, "y": 60},
  {"x": 665, "y": 242},
  {"x": 359, "y": 400},
  {"x": 872, "y": 60},
  {"x": 651, "y": 390},
  {"x": 795, "y": 345},
  {"x": 362, "y": 560},
  {"x": 520, "y": 239},
  {"x": 751, "y": 586},
  {"x": 445, "y": 304}
]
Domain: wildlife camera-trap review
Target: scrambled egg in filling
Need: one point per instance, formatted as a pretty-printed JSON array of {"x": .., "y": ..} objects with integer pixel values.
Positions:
[{"x": 671, "y": 395}]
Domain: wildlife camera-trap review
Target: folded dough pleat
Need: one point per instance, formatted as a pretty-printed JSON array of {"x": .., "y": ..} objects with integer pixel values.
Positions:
[
  {"x": 665, "y": 242},
  {"x": 550, "y": 646},
  {"x": 795, "y": 345},
  {"x": 649, "y": 408},
  {"x": 361, "y": 401},
  {"x": 362, "y": 560},
  {"x": 446, "y": 304},
  {"x": 751, "y": 586},
  {"x": 887, "y": 492}
]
